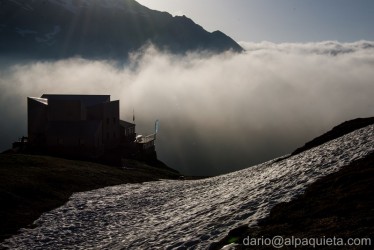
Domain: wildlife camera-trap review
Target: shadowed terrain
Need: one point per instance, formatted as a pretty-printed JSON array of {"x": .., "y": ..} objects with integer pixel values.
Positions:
[{"x": 32, "y": 185}]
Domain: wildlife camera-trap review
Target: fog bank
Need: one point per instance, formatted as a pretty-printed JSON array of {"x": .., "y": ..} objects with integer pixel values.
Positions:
[{"x": 217, "y": 113}]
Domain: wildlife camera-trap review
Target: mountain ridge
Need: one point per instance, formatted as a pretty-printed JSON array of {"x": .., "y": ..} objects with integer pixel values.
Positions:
[
  {"x": 99, "y": 29},
  {"x": 337, "y": 131}
]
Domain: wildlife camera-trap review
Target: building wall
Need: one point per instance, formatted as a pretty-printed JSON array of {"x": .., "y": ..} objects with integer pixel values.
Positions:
[
  {"x": 95, "y": 112},
  {"x": 86, "y": 145},
  {"x": 61, "y": 110},
  {"x": 127, "y": 134},
  {"x": 111, "y": 127},
  {"x": 36, "y": 121},
  {"x": 66, "y": 108},
  {"x": 108, "y": 113}
]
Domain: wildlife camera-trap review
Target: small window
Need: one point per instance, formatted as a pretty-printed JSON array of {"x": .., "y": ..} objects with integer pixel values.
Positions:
[
  {"x": 81, "y": 142},
  {"x": 60, "y": 141},
  {"x": 114, "y": 120},
  {"x": 107, "y": 120},
  {"x": 107, "y": 136},
  {"x": 114, "y": 135}
]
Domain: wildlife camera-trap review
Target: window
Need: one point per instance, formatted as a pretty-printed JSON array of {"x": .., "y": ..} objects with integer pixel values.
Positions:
[
  {"x": 114, "y": 120},
  {"x": 81, "y": 142},
  {"x": 107, "y": 136},
  {"x": 114, "y": 135},
  {"x": 60, "y": 141},
  {"x": 107, "y": 120}
]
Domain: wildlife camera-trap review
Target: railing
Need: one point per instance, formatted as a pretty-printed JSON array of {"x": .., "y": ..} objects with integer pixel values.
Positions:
[{"x": 145, "y": 139}]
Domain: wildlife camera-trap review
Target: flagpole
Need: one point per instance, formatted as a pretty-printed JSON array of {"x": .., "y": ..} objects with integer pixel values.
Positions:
[{"x": 156, "y": 127}]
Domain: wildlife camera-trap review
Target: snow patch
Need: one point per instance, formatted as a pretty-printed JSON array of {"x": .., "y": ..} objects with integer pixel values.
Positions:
[{"x": 187, "y": 214}]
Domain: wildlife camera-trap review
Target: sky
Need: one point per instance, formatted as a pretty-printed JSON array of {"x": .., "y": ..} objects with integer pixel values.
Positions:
[{"x": 278, "y": 20}]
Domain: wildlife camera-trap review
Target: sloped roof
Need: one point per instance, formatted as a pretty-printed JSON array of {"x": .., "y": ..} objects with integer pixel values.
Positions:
[
  {"x": 126, "y": 124},
  {"x": 73, "y": 128},
  {"x": 40, "y": 100},
  {"x": 87, "y": 100}
]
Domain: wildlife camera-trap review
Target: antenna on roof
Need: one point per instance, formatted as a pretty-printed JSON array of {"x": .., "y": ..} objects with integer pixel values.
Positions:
[{"x": 133, "y": 116}]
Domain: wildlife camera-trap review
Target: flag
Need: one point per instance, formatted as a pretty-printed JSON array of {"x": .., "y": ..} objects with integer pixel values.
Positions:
[{"x": 157, "y": 126}]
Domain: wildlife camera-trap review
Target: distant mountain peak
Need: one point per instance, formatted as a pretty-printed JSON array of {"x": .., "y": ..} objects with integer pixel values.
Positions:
[
  {"x": 75, "y": 6},
  {"x": 98, "y": 29}
]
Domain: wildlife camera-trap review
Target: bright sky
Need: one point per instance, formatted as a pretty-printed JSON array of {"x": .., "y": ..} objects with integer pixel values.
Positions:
[{"x": 278, "y": 20}]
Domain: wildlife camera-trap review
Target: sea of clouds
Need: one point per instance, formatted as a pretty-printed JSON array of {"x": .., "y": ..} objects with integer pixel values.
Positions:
[{"x": 218, "y": 113}]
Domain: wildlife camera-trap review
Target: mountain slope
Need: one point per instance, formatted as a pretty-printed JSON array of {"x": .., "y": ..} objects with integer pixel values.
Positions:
[
  {"x": 98, "y": 29},
  {"x": 188, "y": 214},
  {"x": 338, "y": 205},
  {"x": 337, "y": 131}
]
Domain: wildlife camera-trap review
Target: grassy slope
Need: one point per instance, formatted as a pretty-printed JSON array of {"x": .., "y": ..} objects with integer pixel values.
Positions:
[{"x": 31, "y": 185}]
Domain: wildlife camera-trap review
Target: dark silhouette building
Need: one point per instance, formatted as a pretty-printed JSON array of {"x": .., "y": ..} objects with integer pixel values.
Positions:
[{"x": 78, "y": 125}]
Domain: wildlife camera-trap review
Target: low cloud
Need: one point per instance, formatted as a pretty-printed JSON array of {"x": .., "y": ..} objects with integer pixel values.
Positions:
[
  {"x": 218, "y": 113},
  {"x": 319, "y": 48}
]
